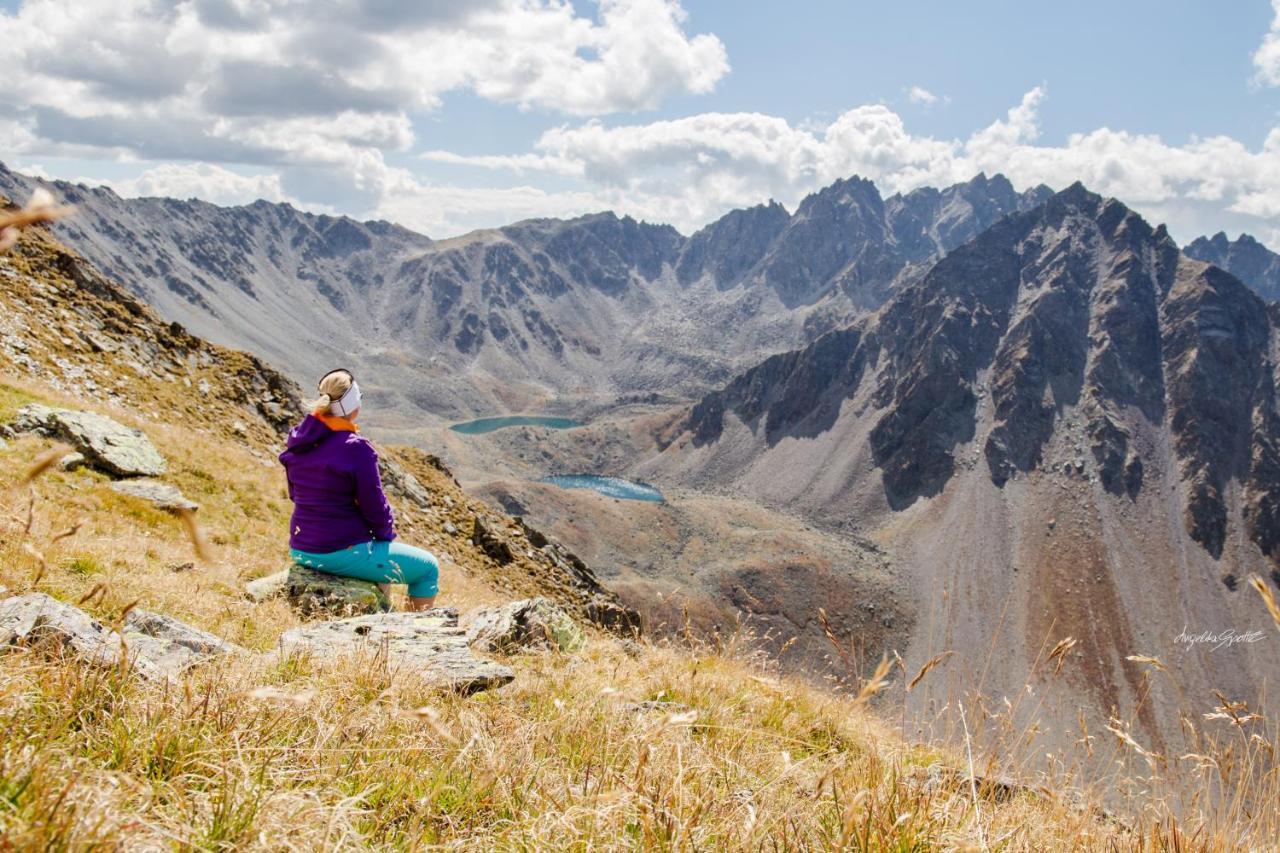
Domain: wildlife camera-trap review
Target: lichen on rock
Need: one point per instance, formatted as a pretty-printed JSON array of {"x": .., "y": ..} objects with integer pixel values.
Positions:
[
  {"x": 524, "y": 624},
  {"x": 107, "y": 445}
]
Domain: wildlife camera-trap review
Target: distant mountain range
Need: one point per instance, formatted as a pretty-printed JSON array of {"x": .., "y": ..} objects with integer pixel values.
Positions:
[
  {"x": 1244, "y": 257},
  {"x": 584, "y": 310}
]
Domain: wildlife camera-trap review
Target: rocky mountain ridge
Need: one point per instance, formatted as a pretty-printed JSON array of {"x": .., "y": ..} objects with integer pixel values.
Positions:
[
  {"x": 1064, "y": 398},
  {"x": 1244, "y": 257},
  {"x": 587, "y": 309},
  {"x": 1077, "y": 304}
]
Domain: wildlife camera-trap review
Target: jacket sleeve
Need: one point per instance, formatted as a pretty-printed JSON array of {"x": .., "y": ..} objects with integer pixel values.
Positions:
[{"x": 369, "y": 497}]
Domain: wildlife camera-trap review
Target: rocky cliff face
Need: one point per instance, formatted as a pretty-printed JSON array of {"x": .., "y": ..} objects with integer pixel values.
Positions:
[
  {"x": 1245, "y": 258},
  {"x": 585, "y": 309},
  {"x": 1065, "y": 420},
  {"x": 1077, "y": 306}
]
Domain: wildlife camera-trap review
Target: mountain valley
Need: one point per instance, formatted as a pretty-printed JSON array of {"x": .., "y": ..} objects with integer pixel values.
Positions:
[{"x": 954, "y": 421}]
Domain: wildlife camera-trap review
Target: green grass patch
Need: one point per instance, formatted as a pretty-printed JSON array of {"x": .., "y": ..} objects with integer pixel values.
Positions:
[
  {"x": 12, "y": 399},
  {"x": 84, "y": 564}
]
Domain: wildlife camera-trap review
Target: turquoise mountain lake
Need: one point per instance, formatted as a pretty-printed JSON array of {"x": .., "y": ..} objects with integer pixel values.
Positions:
[
  {"x": 614, "y": 487},
  {"x": 483, "y": 425}
]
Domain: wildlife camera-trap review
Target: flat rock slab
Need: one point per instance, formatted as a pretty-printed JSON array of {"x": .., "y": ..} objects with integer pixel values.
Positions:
[
  {"x": 170, "y": 645},
  {"x": 429, "y": 645},
  {"x": 37, "y": 620},
  {"x": 106, "y": 444},
  {"x": 163, "y": 495},
  {"x": 268, "y": 586},
  {"x": 158, "y": 647},
  {"x": 528, "y": 623}
]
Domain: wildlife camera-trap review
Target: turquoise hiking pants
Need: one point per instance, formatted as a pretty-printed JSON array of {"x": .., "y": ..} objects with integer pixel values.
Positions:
[{"x": 380, "y": 562}]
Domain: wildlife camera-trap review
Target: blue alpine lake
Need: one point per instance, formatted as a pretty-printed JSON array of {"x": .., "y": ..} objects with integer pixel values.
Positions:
[
  {"x": 613, "y": 487},
  {"x": 483, "y": 425}
]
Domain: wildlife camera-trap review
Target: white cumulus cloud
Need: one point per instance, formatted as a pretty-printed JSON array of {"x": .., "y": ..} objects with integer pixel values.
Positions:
[
  {"x": 688, "y": 171},
  {"x": 205, "y": 181},
  {"x": 1266, "y": 59},
  {"x": 324, "y": 85}
]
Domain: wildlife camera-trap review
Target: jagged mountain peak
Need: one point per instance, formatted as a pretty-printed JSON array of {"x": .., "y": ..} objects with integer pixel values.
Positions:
[
  {"x": 1077, "y": 316},
  {"x": 1065, "y": 420},
  {"x": 597, "y": 304},
  {"x": 841, "y": 193},
  {"x": 1245, "y": 257}
]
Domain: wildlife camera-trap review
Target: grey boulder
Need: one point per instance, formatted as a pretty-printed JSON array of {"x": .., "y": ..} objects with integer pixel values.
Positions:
[
  {"x": 314, "y": 593},
  {"x": 528, "y": 623},
  {"x": 427, "y": 645},
  {"x": 40, "y": 621},
  {"x": 106, "y": 444},
  {"x": 401, "y": 484},
  {"x": 157, "y": 647},
  {"x": 163, "y": 495},
  {"x": 169, "y": 645}
]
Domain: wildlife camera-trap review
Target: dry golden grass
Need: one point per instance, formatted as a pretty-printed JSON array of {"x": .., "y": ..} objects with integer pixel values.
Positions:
[
  {"x": 39, "y": 209},
  {"x": 259, "y": 753},
  {"x": 254, "y": 752}
]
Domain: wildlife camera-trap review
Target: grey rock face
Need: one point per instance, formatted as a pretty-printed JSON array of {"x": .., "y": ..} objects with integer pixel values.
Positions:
[
  {"x": 797, "y": 392},
  {"x": 315, "y": 593},
  {"x": 733, "y": 244},
  {"x": 35, "y": 619},
  {"x": 529, "y": 623},
  {"x": 427, "y": 645},
  {"x": 169, "y": 645},
  {"x": 163, "y": 495},
  {"x": 1222, "y": 398},
  {"x": 158, "y": 647},
  {"x": 401, "y": 484},
  {"x": 1245, "y": 258},
  {"x": 1078, "y": 306},
  {"x": 107, "y": 445}
]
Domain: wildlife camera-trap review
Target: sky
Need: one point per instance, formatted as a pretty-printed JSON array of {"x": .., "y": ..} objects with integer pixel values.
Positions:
[{"x": 450, "y": 116}]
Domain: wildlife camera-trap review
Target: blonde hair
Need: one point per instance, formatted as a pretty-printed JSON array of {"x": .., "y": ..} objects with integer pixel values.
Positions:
[{"x": 334, "y": 384}]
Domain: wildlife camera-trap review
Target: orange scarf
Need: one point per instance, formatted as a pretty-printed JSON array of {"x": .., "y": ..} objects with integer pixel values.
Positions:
[{"x": 336, "y": 423}]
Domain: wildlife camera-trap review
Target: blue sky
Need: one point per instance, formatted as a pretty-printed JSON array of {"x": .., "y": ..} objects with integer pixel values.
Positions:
[{"x": 447, "y": 118}]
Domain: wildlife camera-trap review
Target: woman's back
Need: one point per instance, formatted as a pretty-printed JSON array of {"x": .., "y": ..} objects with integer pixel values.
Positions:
[{"x": 335, "y": 488}]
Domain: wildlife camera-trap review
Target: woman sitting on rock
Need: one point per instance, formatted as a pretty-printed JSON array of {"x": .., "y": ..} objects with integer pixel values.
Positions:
[{"x": 341, "y": 521}]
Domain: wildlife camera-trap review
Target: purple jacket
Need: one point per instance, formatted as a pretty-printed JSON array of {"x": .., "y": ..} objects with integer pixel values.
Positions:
[{"x": 335, "y": 488}]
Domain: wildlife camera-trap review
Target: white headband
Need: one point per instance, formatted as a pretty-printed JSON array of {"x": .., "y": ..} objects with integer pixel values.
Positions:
[{"x": 347, "y": 403}]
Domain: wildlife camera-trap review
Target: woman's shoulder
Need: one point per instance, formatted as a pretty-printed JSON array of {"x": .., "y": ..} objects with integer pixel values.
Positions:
[{"x": 356, "y": 443}]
